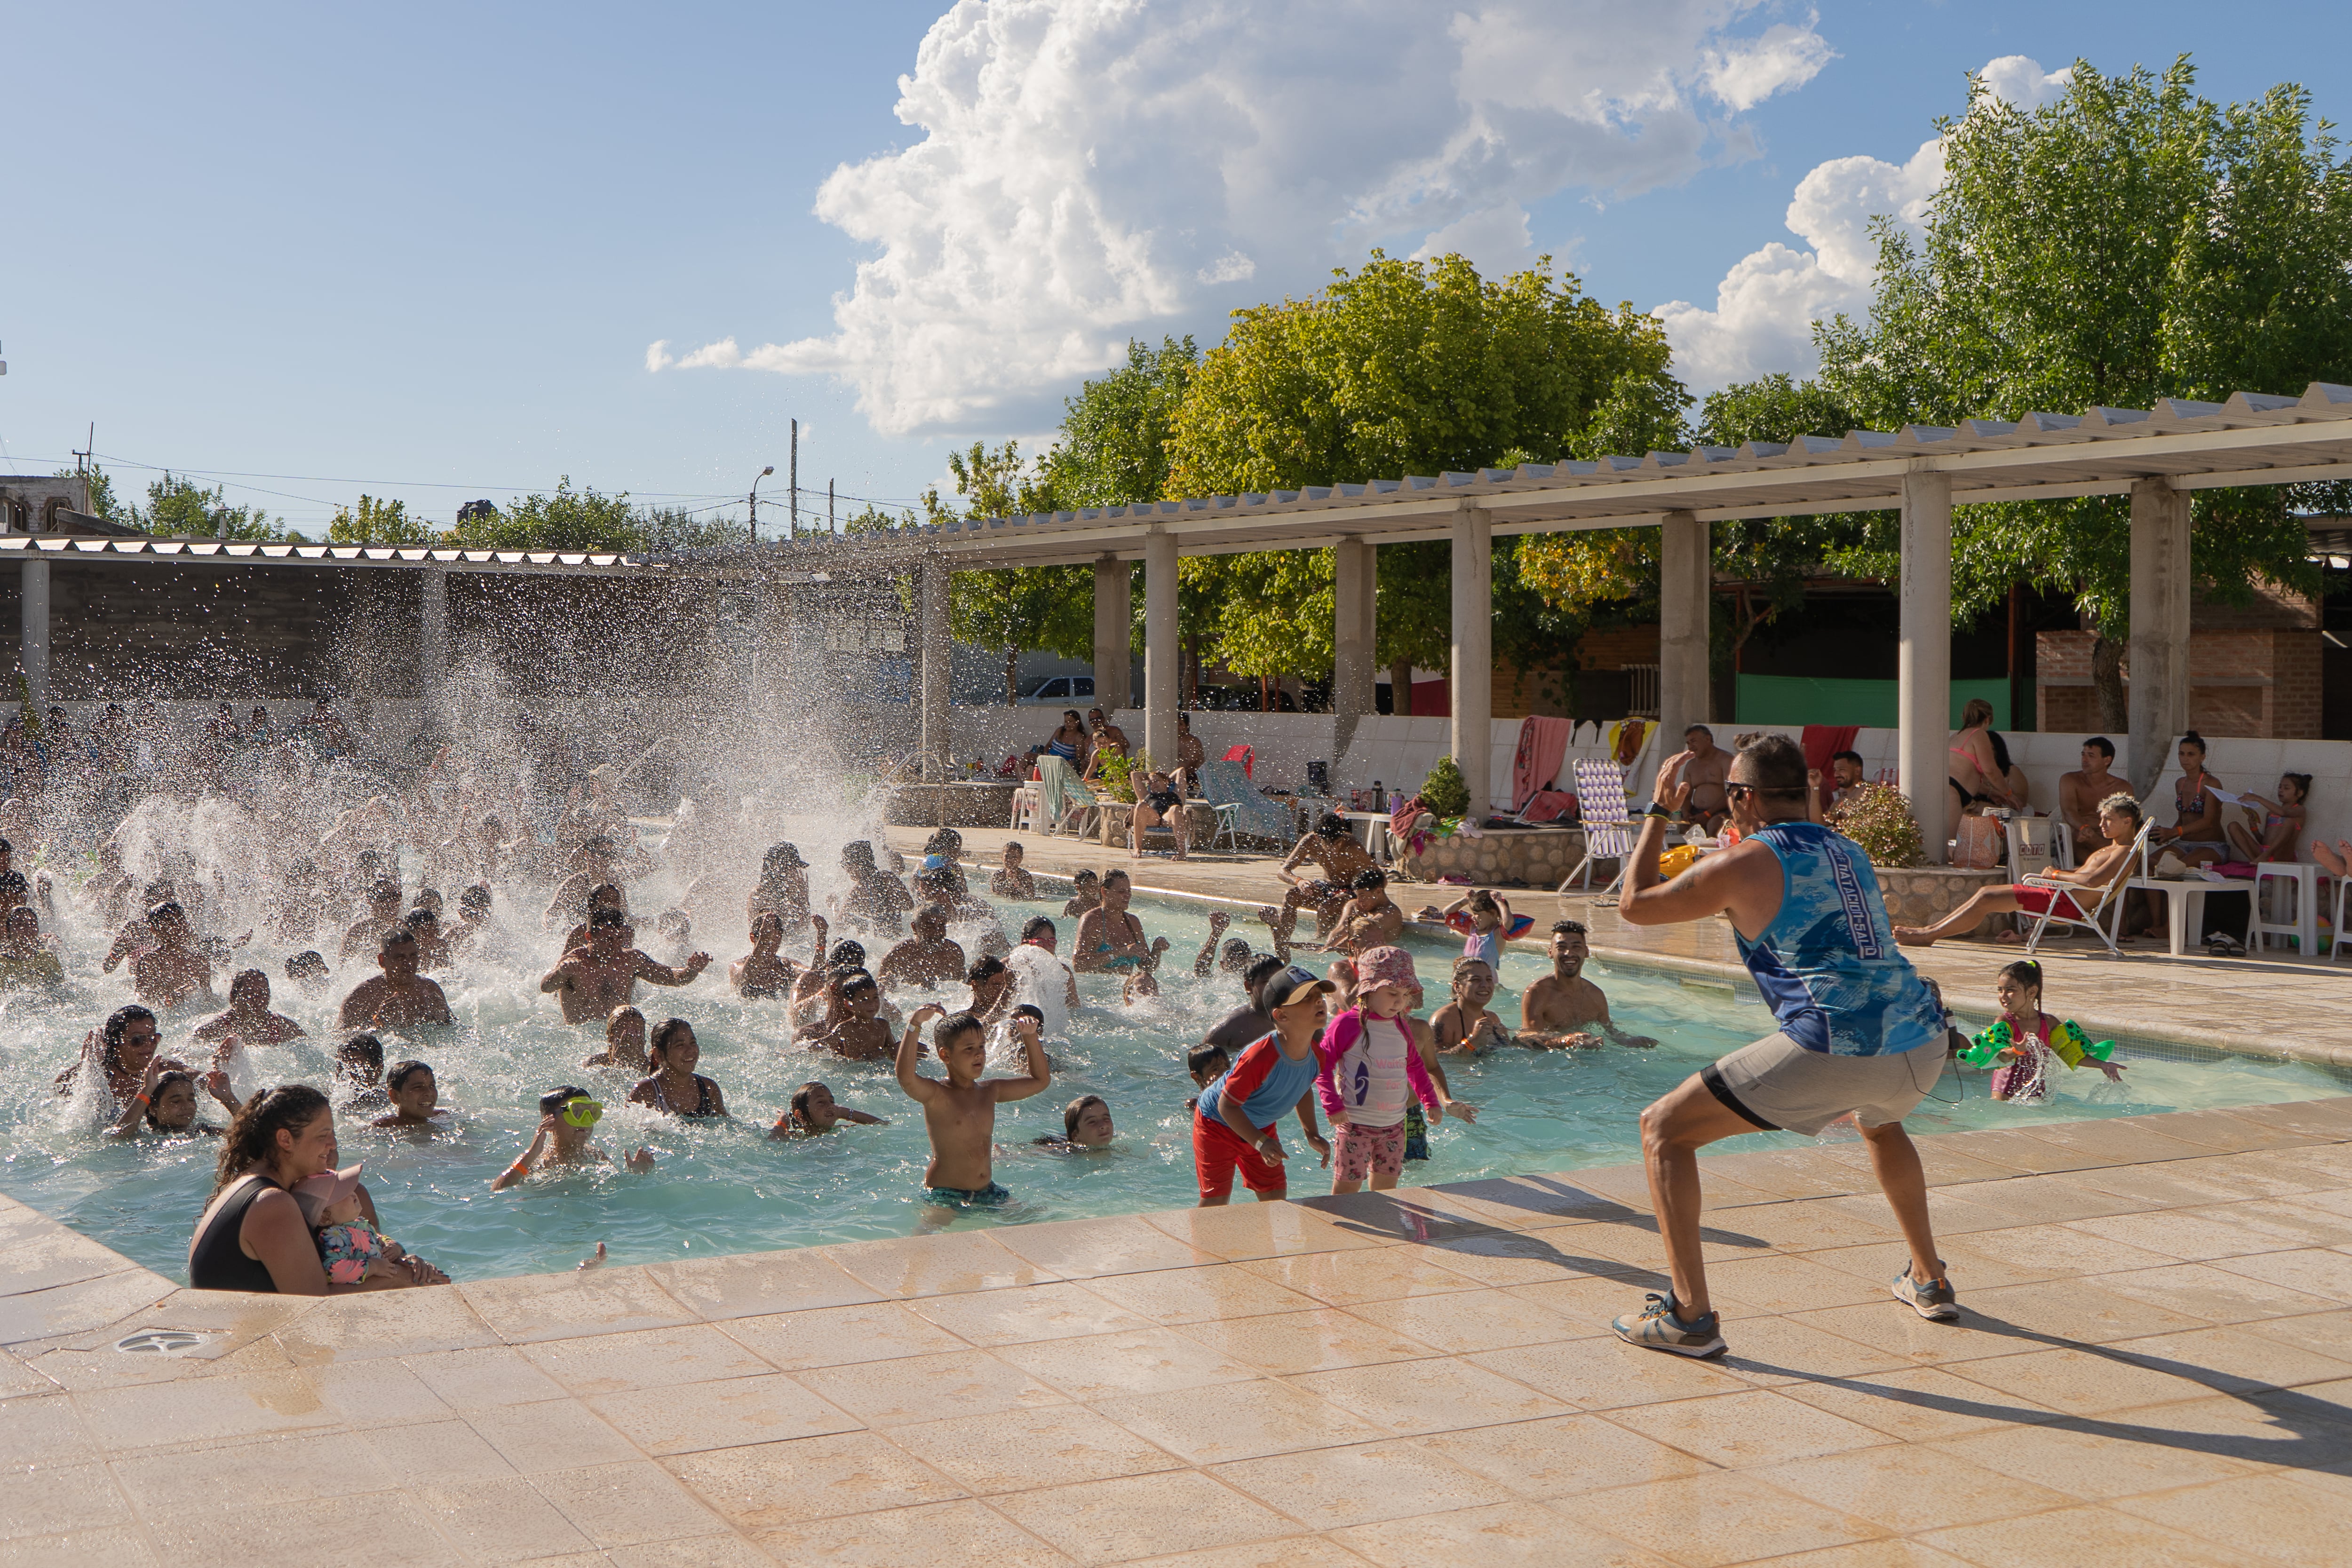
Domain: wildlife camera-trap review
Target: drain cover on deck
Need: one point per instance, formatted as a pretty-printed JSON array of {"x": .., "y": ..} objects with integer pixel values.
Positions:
[{"x": 161, "y": 1341}]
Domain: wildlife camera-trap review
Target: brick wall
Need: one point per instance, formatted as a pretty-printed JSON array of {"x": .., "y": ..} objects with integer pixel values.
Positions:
[
  {"x": 2241, "y": 682},
  {"x": 1617, "y": 647}
]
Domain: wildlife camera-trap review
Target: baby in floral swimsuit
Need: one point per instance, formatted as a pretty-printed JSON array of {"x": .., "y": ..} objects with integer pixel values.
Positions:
[{"x": 352, "y": 1250}]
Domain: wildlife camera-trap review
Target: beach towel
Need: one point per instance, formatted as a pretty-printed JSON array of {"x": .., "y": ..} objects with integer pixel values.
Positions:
[
  {"x": 1058, "y": 782},
  {"x": 1223, "y": 783},
  {"x": 1549, "y": 806},
  {"x": 1823, "y": 741},
  {"x": 1625, "y": 738},
  {"x": 1536, "y": 764}
]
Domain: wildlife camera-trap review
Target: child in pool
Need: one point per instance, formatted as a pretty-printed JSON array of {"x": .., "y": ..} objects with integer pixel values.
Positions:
[
  {"x": 1206, "y": 1063},
  {"x": 415, "y": 1096},
  {"x": 959, "y": 1111},
  {"x": 814, "y": 1111},
  {"x": 2023, "y": 1076},
  {"x": 625, "y": 1042},
  {"x": 1484, "y": 921},
  {"x": 567, "y": 1118},
  {"x": 353, "y": 1252},
  {"x": 1370, "y": 1063},
  {"x": 1011, "y": 881},
  {"x": 1086, "y": 1125}
]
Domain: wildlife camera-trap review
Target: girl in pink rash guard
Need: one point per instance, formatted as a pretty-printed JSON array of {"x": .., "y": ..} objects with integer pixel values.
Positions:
[{"x": 1370, "y": 1060}]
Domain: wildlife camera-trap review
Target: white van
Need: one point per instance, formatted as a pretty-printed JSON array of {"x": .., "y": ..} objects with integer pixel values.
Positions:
[{"x": 1061, "y": 691}]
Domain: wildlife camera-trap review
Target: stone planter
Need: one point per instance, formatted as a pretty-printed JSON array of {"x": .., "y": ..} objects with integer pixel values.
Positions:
[
  {"x": 1513, "y": 857},
  {"x": 956, "y": 805},
  {"x": 1924, "y": 894}
]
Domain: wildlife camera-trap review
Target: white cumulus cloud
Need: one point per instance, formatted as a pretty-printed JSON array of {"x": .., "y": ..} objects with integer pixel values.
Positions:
[
  {"x": 1767, "y": 304},
  {"x": 1089, "y": 170}
]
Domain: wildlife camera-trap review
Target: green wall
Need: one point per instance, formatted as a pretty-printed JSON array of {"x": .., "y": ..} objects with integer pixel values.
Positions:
[{"x": 1802, "y": 699}]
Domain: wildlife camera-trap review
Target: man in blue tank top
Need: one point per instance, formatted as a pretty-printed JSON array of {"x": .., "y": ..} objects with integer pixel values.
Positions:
[{"x": 1859, "y": 1033}]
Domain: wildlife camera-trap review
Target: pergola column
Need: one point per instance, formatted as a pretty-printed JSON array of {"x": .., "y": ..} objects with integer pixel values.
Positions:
[
  {"x": 1924, "y": 701},
  {"x": 1114, "y": 631},
  {"x": 1355, "y": 598},
  {"x": 1160, "y": 647},
  {"x": 35, "y": 645},
  {"x": 937, "y": 651},
  {"x": 1685, "y": 592},
  {"x": 2159, "y": 694},
  {"x": 1470, "y": 675},
  {"x": 432, "y": 644}
]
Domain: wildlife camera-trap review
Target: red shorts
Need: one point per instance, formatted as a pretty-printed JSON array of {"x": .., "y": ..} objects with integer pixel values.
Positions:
[
  {"x": 2036, "y": 901},
  {"x": 1218, "y": 1151}
]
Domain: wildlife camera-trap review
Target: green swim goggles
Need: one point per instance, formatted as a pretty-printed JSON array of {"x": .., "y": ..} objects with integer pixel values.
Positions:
[{"x": 583, "y": 1112}]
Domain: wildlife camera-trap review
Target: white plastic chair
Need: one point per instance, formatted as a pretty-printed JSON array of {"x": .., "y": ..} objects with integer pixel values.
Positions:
[{"x": 1608, "y": 824}]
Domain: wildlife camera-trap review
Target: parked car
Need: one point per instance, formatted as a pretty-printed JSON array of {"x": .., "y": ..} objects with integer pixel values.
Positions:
[{"x": 1059, "y": 691}]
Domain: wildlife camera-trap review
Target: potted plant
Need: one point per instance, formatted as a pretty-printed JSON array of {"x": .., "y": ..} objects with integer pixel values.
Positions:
[
  {"x": 1444, "y": 791},
  {"x": 1880, "y": 820}
]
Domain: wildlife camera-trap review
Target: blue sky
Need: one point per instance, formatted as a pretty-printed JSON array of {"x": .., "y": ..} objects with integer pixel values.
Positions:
[{"x": 430, "y": 254}]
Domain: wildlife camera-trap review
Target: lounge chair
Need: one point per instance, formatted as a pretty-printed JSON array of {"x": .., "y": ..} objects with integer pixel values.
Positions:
[
  {"x": 1225, "y": 787},
  {"x": 1064, "y": 796},
  {"x": 1608, "y": 824},
  {"x": 2105, "y": 903}
]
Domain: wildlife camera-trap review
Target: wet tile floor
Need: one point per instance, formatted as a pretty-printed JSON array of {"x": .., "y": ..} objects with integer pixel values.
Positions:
[{"x": 2153, "y": 1364}]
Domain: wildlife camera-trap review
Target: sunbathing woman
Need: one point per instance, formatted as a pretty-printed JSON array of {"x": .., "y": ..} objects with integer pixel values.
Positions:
[{"x": 2119, "y": 819}]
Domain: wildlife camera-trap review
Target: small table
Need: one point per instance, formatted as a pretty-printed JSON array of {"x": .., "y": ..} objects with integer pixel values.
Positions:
[{"x": 1372, "y": 827}]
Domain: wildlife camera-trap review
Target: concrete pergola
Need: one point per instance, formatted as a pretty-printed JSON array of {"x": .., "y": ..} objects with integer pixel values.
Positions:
[{"x": 2159, "y": 456}]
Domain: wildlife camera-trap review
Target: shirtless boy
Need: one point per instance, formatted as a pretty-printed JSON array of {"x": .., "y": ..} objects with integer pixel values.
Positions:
[
  {"x": 594, "y": 980},
  {"x": 1369, "y": 918},
  {"x": 959, "y": 1111},
  {"x": 1012, "y": 880},
  {"x": 171, "y": 974},
  {"x": 764, "y": 972},
  {"x": 852, "y": 1028},
  {"x": 400, "y": 997},
  {"x": 1563, "y": 1007},
  {"x": 927, "y": 958},
  {"x": 1340, "y": 855}
]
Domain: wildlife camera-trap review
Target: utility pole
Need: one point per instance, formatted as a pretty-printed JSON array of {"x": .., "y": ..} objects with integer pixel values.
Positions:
[
  {"x": 792, "y": 522},
  {"x": 829, "y": 525},
  {"x": 763, "y": 474},
  {"x": 82, "y": 460}
]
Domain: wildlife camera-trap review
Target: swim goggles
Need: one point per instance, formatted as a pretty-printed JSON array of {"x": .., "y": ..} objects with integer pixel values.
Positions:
[{"x": 583, "y": 1112}]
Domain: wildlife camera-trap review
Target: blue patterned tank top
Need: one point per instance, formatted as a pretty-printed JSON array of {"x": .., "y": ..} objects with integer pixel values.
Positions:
[{"x": 1828, "y": 964}]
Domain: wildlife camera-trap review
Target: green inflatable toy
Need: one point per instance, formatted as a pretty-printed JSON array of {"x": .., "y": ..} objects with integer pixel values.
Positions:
[{"x": 2067, "y": 1041}]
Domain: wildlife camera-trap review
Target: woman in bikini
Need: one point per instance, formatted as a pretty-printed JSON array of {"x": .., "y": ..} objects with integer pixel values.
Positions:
[
  {"x": 2199, "y": 835},
  {"x": 675, "y": 1088},
  {"x": 1969, "y": 765},
  {"x": 1070, "y": 742}
]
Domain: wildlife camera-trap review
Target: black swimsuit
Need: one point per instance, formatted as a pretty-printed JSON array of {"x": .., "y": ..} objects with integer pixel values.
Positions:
[
  {"x": 702, "y": 1106},
  {"x": 217, "y": 1262}
]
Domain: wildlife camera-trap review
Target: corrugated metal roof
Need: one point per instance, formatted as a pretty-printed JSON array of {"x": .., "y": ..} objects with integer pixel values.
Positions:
[{"x": 2255, "y": 438}]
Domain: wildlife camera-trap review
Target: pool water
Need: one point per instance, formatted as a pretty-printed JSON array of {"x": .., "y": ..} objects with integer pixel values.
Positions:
[{"x": 727, "y": 1188}]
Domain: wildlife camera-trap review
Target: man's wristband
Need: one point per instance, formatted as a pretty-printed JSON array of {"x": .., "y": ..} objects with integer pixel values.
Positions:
[{"x": 1664, "y": 813}]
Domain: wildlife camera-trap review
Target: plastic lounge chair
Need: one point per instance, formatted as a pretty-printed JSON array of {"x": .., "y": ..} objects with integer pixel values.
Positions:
[
  {"x": 1223, "y": 784},
  {"x": 1608, "y": 825}
]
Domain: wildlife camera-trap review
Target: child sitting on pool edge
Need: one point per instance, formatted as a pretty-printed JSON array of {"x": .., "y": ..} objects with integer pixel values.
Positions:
[
  {"x": 959, "y": 1111},
  {"x": 814, "y": 1111},
  {"x": 567, "y": 1115},
  {"x": 1085, "y": 1126}
]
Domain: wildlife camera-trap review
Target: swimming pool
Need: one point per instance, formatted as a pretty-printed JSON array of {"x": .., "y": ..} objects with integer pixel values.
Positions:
[{"x": 729, "y": 1188}]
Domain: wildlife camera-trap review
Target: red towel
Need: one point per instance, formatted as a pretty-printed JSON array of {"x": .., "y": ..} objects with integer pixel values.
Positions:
[
  {"x": 1549, "y": 806},
  {"x": 1535, "y": 766},
  {"x": 1823, "y": 741}
]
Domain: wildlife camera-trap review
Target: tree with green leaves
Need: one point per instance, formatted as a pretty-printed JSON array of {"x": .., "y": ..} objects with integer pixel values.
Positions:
[
  {"x": 1012, "y": 608},
  {"x": 180, "y": 506},
  {"x": 1112, "y": 449},
  {"x": 570, "y": 519},
  {"x": 2130, "y": 242},
  {"x": 374, "y": 522},
  {"x": 1402, "y": 367}
]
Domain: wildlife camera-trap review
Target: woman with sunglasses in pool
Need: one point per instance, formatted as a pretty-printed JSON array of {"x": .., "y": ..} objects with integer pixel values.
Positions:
[{"x": 567, "y": 1122}]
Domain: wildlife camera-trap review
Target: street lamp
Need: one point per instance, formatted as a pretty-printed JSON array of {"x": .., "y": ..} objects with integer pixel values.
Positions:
[{"x": 770, "y": 468}]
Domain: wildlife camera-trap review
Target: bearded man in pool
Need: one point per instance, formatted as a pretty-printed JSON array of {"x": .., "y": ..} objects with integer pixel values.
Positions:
[{"x": 1563, "y": 1007}]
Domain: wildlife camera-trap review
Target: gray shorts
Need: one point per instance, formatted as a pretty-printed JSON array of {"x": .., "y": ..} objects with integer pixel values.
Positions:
[{"x": 1780, "y": 1086}]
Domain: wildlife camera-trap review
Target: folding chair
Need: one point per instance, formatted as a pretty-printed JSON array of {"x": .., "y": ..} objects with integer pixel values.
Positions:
[{"x": 1608, "y": 823}]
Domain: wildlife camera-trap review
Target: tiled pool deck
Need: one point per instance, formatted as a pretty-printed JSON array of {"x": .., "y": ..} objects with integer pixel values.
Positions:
[{"x": 2153, "y": 1366}]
